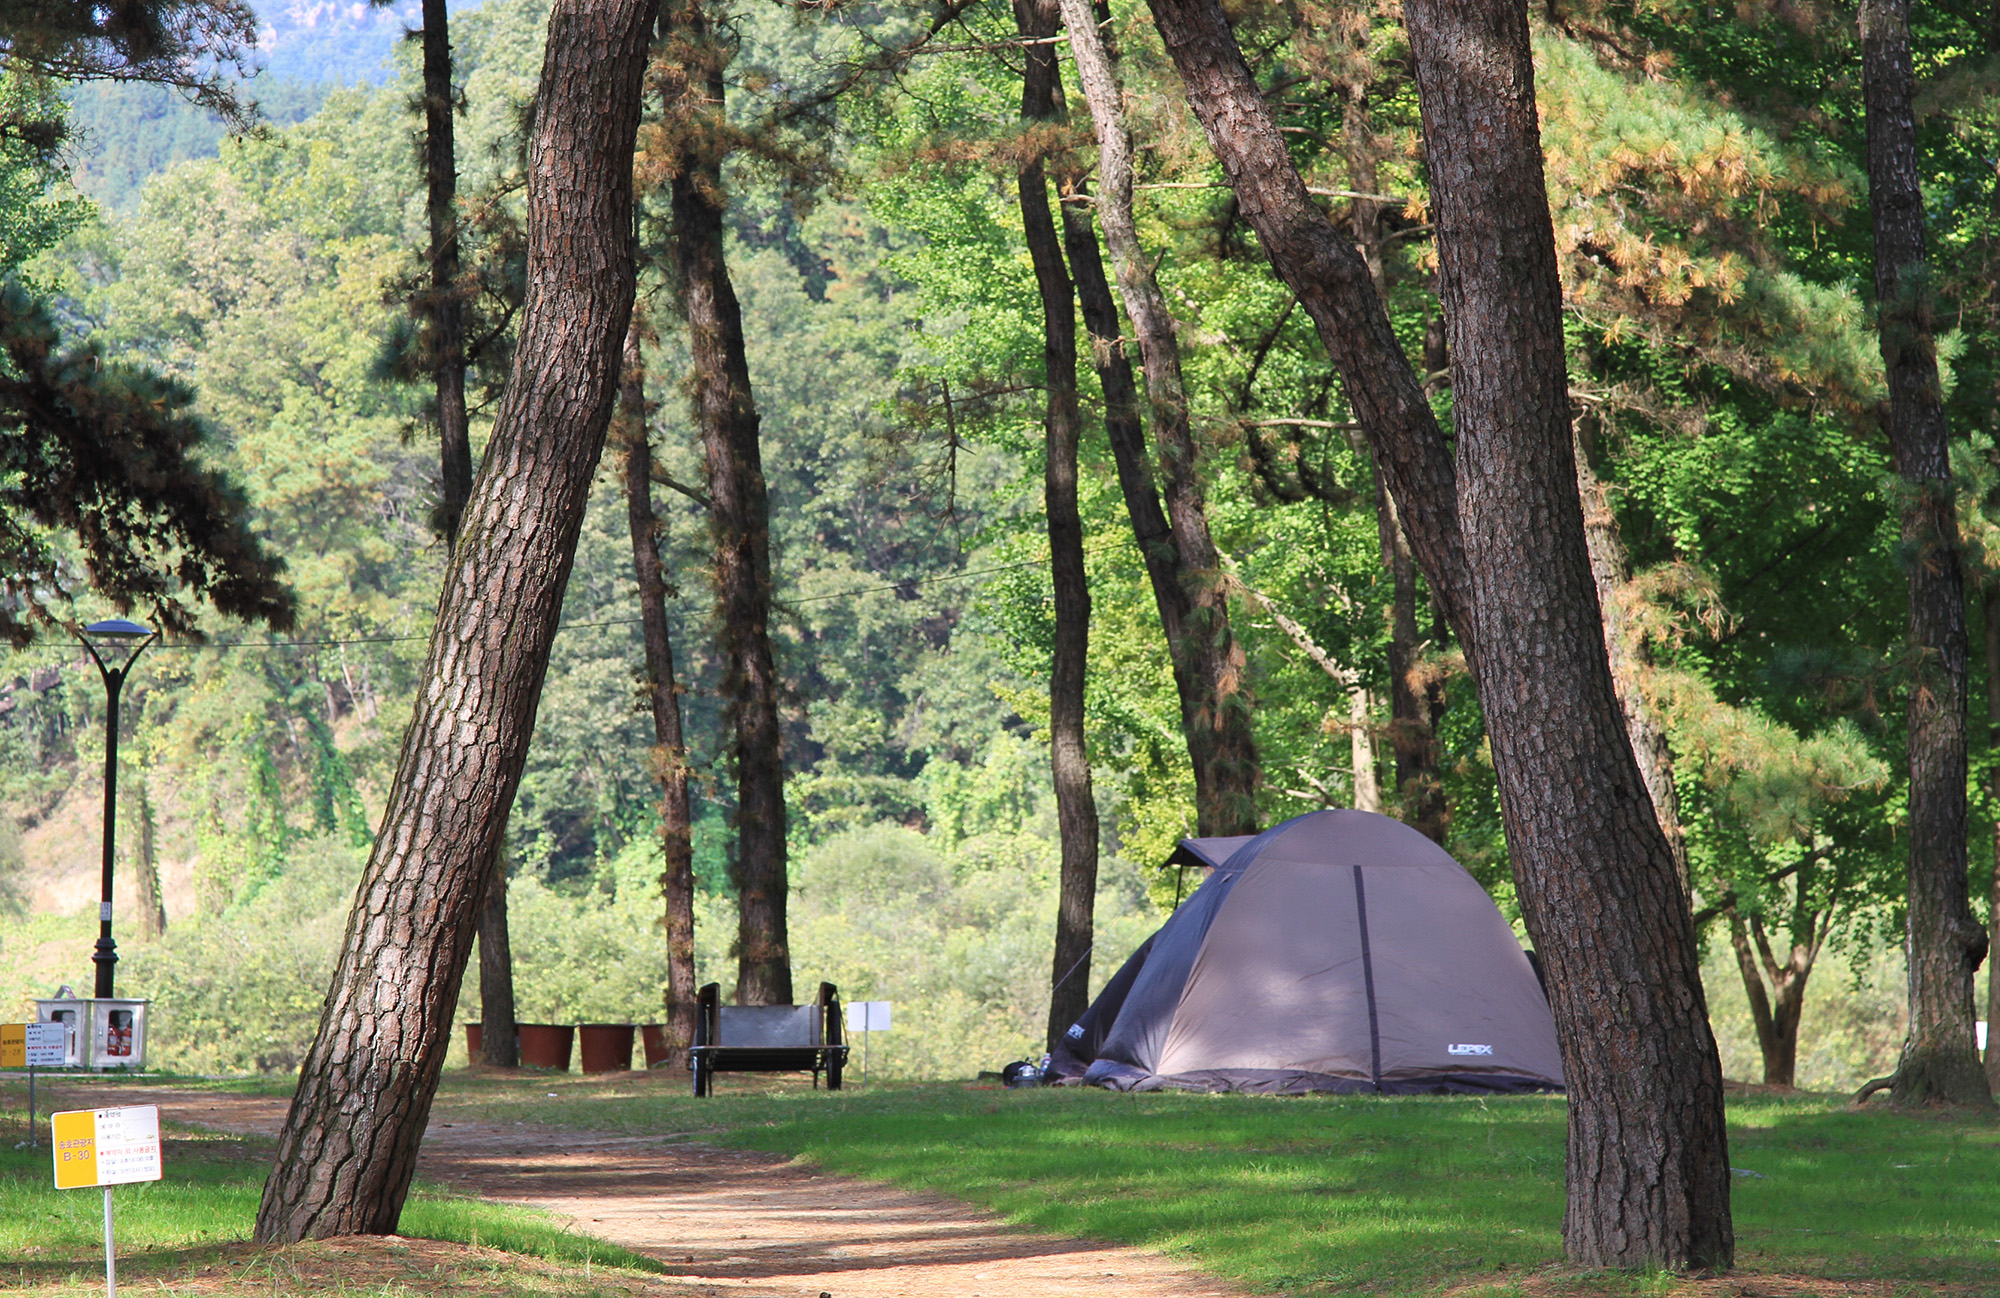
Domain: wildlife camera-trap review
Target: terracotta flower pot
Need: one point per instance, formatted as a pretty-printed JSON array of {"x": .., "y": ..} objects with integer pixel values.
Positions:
[
  {"x": 473, "y": 1041},
  {"x": 545, "y": 1045},
  {"x": 607, "y": 1047},
  {"x": 654, "y": 1036}
]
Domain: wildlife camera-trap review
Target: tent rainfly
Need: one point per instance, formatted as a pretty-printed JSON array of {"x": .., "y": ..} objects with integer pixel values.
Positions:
[{"x": 1339, "y": 951}]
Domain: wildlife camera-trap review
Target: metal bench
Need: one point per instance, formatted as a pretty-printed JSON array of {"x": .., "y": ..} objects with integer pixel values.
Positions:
[{"x": 766, "y": 1038}]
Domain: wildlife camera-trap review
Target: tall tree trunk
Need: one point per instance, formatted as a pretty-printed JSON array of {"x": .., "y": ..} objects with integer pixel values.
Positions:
[
  {"x": 1939, "y": 1062},
  {"x": 1219, "y": 736},
  {"x": 1648, "y": 1186},
  {"x": 146, "y": 860},
  {"x": 1778, "y": 1010},
  {"x": 1648, "y": 1172},
  {"x": 740, "y": 520},
  {"x": 1412, "y": 718},
  {"x": 630, "y": 436},
  {"x": 1630, "y": 658},
  {"x": 1361, "y": 750},
  {"x": 1076, "y": 809},
  {"x": 445, "y": 310},
  {"x": 349, "y": 1143},
  {"x": 1413, "y": 709},
  {"x": 1125, "y": 430},
  {"x": 446, "y": 316},
  {"x": 1992, "y": 608},
  {"x": 497, "y": 1045}
]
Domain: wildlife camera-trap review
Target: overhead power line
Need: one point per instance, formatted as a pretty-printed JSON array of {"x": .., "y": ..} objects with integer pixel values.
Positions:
[{"x": 942, "y": 578}]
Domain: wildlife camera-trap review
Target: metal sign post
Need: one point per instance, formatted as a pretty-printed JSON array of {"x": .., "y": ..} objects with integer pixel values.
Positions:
[
  {"x": 106, "y": 1147},
  {"x": 32, "y": 1046},
  {"x": 867, "y": 1017}
]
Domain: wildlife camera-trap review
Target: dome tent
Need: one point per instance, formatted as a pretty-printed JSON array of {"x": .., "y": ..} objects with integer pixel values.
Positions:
[{"x": 1339, "y": 951}]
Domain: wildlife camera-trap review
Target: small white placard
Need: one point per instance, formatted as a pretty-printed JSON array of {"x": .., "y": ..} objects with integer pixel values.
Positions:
[
  {"x": 1981, "y": 1033},
  {"x": 868, "y": 1016},
  {"x": 47, "y": 1044},
  {"x": 128, "y": 1145}
]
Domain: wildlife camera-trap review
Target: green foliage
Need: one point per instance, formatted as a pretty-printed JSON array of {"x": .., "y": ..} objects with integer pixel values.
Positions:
[
  {"x": 241, "y": 992},
  {"x": 125, "y": 133}
]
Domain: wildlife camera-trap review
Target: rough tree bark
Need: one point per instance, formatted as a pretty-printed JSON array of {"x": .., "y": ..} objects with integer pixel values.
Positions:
[
  {"x": 1939, "y": 1062},
  {"x": 739, "y": 517},
  {"x": 630, "y": 437},
  {"x": 1648, "y": 1175},
  {"x": 349, "y": 1144},
  {"x": 497, "y": 1045},
  {"x": 1062, "y": 424},
  {"x": 1220, "y": 742}
]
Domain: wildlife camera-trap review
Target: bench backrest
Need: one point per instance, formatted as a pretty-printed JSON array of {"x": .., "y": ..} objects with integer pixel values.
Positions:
[{"x": 768, "y": 1026}]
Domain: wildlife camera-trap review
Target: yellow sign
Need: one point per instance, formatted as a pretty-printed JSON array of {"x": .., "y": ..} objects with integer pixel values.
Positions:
[
  {"x": 13, "y": 1045},
  {"x": 106, "y": 1146}
]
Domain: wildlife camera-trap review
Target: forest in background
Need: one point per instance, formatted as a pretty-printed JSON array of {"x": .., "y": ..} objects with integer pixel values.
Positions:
[{"x": 1721, "y": 346}]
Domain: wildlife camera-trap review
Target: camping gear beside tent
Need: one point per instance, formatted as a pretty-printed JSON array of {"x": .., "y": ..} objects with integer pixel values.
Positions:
[{"x": 1339, "y": 951}]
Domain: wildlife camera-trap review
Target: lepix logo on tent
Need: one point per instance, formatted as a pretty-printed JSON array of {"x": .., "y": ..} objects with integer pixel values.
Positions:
[{"x": 1467, "y": 1049}]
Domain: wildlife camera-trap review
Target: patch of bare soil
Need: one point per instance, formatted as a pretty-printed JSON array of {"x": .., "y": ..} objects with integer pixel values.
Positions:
[
  {"x": 377, "y": 1264},
  {"x": 744, "y": 1223}
]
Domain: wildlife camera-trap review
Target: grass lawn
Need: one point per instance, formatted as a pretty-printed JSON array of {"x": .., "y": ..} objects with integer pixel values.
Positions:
[
  {"x": 189, "y": 1233},
  {"x": 1343, "y": 1195}
]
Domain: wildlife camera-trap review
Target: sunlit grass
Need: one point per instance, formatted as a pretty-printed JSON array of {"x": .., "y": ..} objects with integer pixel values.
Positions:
[{"x": 1337, "y": 1193}]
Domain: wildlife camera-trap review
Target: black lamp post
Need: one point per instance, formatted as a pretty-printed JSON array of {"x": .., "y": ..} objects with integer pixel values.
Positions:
[{"x": 117, "y": 632}]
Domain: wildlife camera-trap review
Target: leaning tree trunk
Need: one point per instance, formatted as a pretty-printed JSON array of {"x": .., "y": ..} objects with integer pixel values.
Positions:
[
  {"x": 445, "y": 310},
  {"x": 1648, "y": 1172},
  {"x": 1939, "y": 1062},
  {"x": 1630, "y": 658},
  {"x": 629, "y": 435},
  {"x": 1076, "y": 809},
  {"x": 349, "y": 1144},
  {"x": 1219, "y": 735},
  {"x": 740, "y": 520},
  {"x": 497, "y": 1045}
]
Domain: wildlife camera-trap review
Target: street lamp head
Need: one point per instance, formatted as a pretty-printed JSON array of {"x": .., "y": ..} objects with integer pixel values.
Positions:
[{"x": 118, "y": 629}]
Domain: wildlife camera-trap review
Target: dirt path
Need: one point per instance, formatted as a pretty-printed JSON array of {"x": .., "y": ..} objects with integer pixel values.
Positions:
[{"x": 726, "y": 1221}]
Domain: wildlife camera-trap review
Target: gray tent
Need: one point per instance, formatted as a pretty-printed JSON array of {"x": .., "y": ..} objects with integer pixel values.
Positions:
[{"x": 1339, "y": 951}]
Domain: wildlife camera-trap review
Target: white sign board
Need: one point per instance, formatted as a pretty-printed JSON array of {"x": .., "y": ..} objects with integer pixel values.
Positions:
[
  {"x": 106, "y": 1146},
  {"x": 47, "y": 1044},
  {"x": 868, "y": 1016}
]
